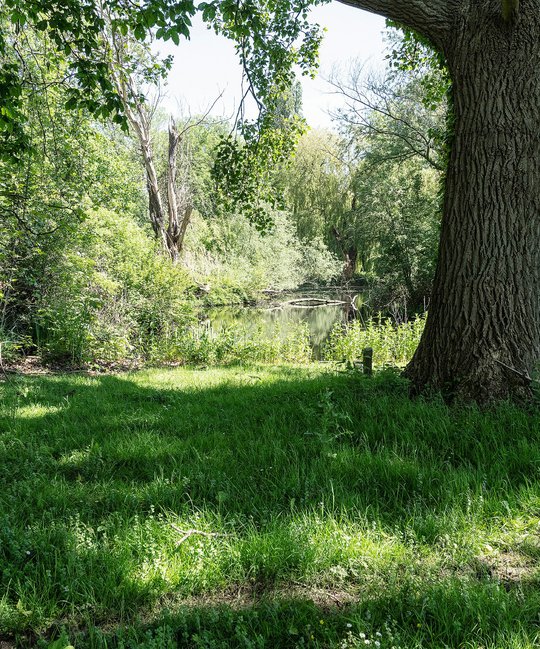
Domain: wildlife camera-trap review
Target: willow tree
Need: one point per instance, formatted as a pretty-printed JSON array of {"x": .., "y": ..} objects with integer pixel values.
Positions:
[{"x": 482, "y": 335}]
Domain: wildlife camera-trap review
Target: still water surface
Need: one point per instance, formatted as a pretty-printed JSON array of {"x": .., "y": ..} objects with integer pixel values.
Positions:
[{"x": 282, "y": 316}]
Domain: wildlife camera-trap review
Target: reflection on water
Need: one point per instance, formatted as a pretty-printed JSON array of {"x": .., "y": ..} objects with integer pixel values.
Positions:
[{"x": 284, "y": 317}]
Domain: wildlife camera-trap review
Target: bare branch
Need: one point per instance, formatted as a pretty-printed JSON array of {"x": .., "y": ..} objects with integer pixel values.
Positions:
[{"x": 202, "y": 119}]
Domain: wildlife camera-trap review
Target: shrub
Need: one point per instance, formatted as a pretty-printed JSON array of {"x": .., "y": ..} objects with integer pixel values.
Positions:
[
  {"x": 113, "y": 294},
  {"x": 392, "y": 344}
]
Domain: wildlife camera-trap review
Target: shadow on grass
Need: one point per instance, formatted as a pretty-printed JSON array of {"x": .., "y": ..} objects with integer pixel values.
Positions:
[{"x": 338, "y": 485}]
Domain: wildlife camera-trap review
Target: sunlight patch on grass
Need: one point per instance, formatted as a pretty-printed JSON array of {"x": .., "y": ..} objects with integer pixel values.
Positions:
[
  {"x": 265, "y": 485},
  {"x": 37, "y": 411}
]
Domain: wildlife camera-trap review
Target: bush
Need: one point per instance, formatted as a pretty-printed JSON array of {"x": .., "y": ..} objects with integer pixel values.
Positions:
[
  {"x": 11, "y": 345},
  {"x": 237, "y": 261},
  {"x": 113, "y": 295},
  {"x": 392, "y": 344}
]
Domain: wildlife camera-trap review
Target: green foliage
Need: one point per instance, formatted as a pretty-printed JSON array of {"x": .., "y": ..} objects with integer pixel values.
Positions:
[
  {"x": 75, "y": 31},
  {"x": 41, "y": 193},
  {"x": 113, "y": 166},
  {"x": 326, "y": 496},
  {"x": 11, "y": 345},
  {"x": 275, "y": 41},
  {"x": 236, "y": 261},
  {"x": 392, "y": 344},
  {"x": 201, "y": 345},
  {"x": 397, "y": 220},
  {"x": 201, "y": 141},
  {"x": 272, "y": 41},
  {"x": 396, "y": 151},
  {"x": 244, "y": 169},
  {"x": 316, "y": 186},
  {"x": 387, "y": 119},
  {"x": 412, "y": 52},
  {"x": 112, "y": 295}
]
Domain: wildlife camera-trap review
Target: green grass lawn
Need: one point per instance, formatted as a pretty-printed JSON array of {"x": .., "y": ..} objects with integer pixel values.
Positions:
[{"x": 330, "y": 511}]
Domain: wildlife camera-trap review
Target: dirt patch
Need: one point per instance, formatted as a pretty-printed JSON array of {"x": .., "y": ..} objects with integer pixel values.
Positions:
[
  {"x": 237, "y": 598},
  {"x": 34, "y": 366},
  {"x": 246, "y": 596},
  {"x": 511, "y": 568}
]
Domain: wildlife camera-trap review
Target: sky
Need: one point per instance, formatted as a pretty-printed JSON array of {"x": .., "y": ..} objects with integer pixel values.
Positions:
[{"x": 206, "y": 65}]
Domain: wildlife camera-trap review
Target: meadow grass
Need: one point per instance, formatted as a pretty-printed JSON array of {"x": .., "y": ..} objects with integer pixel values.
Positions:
[{"x": 330, "y": 511}]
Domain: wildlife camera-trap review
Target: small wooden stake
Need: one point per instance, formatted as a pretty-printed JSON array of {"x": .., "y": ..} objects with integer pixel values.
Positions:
[{"x": 367, "y": 361}]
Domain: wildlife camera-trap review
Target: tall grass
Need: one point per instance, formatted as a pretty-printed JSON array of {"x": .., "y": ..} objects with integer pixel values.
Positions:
[
  {"x": 238, "y": 343},
  {"x": 202, "y": 344},
  {"x": 392, "y": 344}
]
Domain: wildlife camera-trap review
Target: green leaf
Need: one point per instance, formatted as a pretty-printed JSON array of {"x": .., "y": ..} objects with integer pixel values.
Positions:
[{"x": 140, "y": 32}]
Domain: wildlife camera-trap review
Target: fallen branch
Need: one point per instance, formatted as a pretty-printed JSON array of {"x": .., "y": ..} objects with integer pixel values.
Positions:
[
  {"x": 187, "y": 533},
  {"x": 314, "y": 301},
  {"x": 525, "y": 377}
]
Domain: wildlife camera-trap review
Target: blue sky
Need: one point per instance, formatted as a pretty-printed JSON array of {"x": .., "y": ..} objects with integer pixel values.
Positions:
[{"x": 207, "y": 65}]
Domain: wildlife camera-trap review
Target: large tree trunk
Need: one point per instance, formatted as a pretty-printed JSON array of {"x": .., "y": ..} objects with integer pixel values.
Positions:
[{"x": 482, "y": 336}]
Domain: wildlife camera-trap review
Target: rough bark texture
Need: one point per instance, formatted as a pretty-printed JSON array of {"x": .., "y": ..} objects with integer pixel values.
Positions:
[
  {"x": 483, "y": 331},
  {"x": 155, "y": 204},
  {"x": 482, "y": 335}
]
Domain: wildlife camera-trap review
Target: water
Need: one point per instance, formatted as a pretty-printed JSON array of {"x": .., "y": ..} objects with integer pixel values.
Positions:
[{"x": 280, "y": 315}]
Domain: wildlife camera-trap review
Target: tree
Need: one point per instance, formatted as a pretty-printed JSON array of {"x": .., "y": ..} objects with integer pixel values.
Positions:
[
  {"x": 389, "y": 115},
  {"x": 482, "y": 335},
  {"x": 396, "y": 214},
  {"x": 131, "y": 64},
  {"x": 394, "y": 128},
  {"x": 316, "y": 189},
  {"x": 42, "y": 189}
]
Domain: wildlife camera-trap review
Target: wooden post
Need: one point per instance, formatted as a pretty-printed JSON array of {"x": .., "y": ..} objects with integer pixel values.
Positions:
[{"x": 367, "y": 361}]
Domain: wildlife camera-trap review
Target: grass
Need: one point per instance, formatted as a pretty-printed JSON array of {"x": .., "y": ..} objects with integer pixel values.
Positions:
[{"x": 336, "y": 512}]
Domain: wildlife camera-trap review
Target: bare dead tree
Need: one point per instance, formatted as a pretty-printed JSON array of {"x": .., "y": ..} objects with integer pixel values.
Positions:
[
  {"x": 179, "y": 194},
  {"x": 170, "y": 214}
]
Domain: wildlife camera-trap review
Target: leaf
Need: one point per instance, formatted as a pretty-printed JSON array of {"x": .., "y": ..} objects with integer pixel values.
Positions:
[
  {"x": 139, "y": 32},
  {"x": 60, "y": 643},
  {"x": 209, "y": 13}
]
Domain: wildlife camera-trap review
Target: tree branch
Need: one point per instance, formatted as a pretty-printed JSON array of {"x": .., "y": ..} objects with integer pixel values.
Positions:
[{"x": 432, "y": 18}]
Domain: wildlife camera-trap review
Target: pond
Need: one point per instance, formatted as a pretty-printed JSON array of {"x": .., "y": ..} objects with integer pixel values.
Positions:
[{"x": 319, "y": 309}]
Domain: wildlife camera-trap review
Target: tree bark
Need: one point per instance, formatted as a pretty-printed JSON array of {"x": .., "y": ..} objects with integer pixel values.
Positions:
[
  {"x": 155, "y": 205},
  {"x": 482, "y": 335},
  {"x": 351, "y": 260},
  {"x": 432, "y": 18},
  {"x": 139, "y": 119}
]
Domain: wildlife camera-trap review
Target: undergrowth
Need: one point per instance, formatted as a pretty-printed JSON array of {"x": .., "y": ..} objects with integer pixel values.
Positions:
[{"x": 194, "y": 343}]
